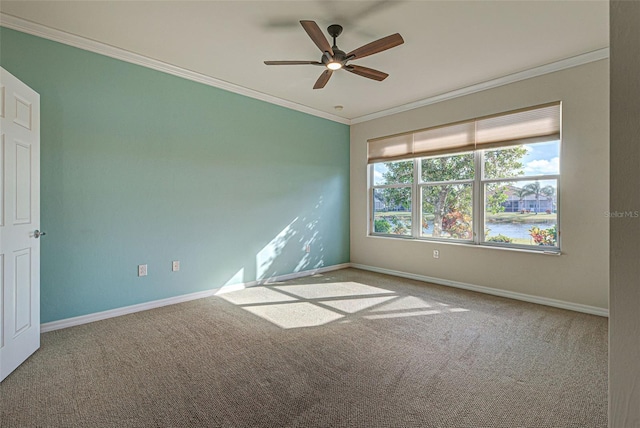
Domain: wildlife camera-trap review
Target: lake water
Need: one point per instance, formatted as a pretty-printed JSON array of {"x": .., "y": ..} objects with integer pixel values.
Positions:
[{"x": 515, "y": 230}]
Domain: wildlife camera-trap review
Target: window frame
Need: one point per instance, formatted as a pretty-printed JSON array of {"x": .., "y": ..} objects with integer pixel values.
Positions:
[
  {"x": 478, "y": 201},
  {"x": 540, "y": 177},
  {"x": 421, "y": 184},
  {"x": 373, "y": 187}
]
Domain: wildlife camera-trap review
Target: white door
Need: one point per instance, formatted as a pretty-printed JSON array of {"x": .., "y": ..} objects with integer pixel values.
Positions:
[{"x": 19, "y": 222}]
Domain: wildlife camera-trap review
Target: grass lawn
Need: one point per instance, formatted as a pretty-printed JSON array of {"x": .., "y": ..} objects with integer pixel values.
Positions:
[{"x": 522, "y": 241}]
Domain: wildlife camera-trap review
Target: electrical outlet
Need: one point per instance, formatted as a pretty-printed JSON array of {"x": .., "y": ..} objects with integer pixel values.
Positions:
[
  {"x": 142, "y": 270},
  {"x": 175, "y": 266},
  {"x": 436, "y": 254}
]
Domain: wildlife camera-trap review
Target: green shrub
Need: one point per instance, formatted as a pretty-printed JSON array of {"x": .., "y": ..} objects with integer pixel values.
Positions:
[
  {"x": 381, "y": 225},
  {"x": 500, "y": 238},
  {"x": 398, "y": 226}
]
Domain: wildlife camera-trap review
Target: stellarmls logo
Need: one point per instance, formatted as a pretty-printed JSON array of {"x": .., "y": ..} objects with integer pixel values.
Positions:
[{"x": 622, "y": 214}]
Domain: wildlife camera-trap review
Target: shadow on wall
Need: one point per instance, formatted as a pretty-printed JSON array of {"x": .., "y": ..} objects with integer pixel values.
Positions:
[
  {"x": 298, "y": 247},
  {"x": 301, "y": 235}
]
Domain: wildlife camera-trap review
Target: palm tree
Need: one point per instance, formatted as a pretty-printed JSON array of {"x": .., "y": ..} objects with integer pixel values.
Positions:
[
  {"x": 522, "y": 193},
  {"x": 535, "y": 189},
  {"x": 549, "y": 192}
]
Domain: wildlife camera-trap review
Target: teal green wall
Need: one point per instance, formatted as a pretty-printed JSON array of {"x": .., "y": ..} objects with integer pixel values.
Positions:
[{"x": 143, "y": 167}]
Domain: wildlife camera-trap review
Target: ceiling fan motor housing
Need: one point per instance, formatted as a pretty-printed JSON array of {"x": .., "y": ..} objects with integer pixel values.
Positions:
[{"x": 338, "y": 56}]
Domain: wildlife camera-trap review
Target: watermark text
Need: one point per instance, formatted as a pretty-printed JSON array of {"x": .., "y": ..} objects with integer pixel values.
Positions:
[{"x": 622, "y": 214}]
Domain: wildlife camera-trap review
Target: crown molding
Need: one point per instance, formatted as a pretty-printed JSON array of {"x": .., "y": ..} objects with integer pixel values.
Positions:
[
  {"x": 69, "y": 39},
  {"x": 563, "y": 64},
  {"x": 44, "y": 32}
]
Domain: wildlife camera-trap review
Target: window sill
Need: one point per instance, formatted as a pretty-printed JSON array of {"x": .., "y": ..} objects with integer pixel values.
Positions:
[{"x": 467, "y": 245}]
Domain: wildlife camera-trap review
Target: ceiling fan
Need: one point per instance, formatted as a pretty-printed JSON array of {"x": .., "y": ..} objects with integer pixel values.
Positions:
[{"x": 335, "y": 59}]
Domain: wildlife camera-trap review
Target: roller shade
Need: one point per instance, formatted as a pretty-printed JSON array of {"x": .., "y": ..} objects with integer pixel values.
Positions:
[
  {"x": 534, "y": 124},
  {"x": 391, "y": 147},
  {"x": 445, "y": 139},
  {"x": 538, "y": 124}
]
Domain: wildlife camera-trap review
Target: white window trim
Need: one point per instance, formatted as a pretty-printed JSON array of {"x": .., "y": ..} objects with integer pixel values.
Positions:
[{"x": 478, "y": 209}]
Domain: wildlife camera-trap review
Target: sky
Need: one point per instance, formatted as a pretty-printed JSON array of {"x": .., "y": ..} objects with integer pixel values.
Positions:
[{"x": 542, "y": 158}]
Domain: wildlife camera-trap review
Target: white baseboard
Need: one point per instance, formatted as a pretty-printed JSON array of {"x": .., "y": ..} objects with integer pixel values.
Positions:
[
  {"x": 594, "y": 310},
  {"x": 97, "y": 316},
  {"x": 84, "y": 319}
]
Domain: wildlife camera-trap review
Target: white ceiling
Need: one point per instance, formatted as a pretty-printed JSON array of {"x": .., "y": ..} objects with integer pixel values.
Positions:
[{"x": 448, "y": 44}]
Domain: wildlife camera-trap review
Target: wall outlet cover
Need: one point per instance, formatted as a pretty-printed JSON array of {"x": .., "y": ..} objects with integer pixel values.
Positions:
[{"x": 142, "y": 270}]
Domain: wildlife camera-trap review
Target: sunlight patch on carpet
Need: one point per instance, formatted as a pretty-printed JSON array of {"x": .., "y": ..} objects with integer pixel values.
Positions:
[
  {"x": 294, "y": 315},
  {"x": 316, "y": 304}
]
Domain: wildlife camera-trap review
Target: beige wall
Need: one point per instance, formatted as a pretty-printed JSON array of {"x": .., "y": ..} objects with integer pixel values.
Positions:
[
  {"x": 581, "y": 274},
  {"x": 624, "y": 326}
]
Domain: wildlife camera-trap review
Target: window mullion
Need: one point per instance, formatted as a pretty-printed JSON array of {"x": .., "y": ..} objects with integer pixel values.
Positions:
[
  {"x": 392, "y": 186},
  {"x": 416, "y": 199},
  {"x": 478, "y": 197},
  {"x": 522, "y": 178},
  {"x": 370, "y": 201},
  {"x": 440, "y": 183}
]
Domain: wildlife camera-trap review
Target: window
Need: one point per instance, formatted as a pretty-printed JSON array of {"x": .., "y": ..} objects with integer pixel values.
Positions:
[
  {"x": 392, "y": 197},
  {"x": 446, "y": 188},
  {"x": 490, "y": 181}
]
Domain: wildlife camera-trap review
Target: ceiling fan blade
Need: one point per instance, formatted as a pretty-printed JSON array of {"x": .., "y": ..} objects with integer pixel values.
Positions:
[
  {"x": 323, "y": 79},
  {"x": 317, "y": 36},
  {"x": 378, "y": 46},
  {"x": 292, "y": 62},
  {"x": 367, "y": 72}
]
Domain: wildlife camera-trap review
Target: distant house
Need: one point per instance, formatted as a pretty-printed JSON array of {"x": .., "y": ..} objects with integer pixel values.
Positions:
[
  {"x": 380, "y": 205},
  {"x": 515, "y": 204}
]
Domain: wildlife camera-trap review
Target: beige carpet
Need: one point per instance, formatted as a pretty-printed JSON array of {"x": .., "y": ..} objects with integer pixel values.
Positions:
[{"x": 345, "y": 349}]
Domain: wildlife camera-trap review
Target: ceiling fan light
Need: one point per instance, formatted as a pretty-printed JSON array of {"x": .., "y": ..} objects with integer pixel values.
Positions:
[{"x": 334, "y": 66}]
